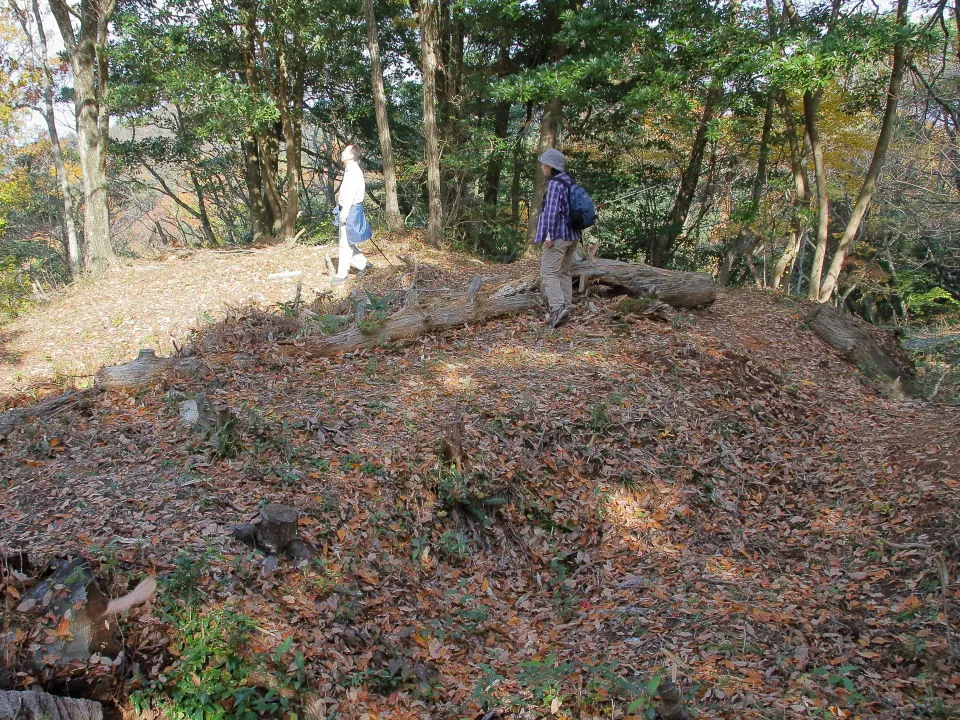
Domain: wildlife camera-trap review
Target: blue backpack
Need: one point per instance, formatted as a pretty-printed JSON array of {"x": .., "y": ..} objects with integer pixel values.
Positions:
[{"x": 582, "y": 212}]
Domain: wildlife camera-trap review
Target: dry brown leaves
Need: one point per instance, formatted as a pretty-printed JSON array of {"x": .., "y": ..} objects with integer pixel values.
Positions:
[{"x": 720, "y": 497}]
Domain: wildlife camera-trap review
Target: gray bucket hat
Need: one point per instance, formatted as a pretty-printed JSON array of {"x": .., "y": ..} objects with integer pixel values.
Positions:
[{"x": 553, "y": 158}]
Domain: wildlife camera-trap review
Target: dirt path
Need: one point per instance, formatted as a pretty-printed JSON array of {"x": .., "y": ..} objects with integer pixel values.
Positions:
[{"x": 148, "y": 304}]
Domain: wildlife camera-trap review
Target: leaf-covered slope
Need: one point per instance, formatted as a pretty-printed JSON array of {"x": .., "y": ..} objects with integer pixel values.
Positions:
[{"x": 540, "y": 520}]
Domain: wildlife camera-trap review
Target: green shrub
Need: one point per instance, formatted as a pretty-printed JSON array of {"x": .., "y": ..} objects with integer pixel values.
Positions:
[
  {"x": 924, "y": 299},
  {"x": 26, "y": 267},
  {"x": 213, "y": 674}
]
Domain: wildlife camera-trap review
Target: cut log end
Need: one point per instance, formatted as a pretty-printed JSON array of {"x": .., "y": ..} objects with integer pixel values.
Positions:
[{"x": 30, "y": 705}]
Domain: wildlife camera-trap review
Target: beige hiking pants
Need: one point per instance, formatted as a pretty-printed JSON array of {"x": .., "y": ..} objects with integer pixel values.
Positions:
[{"x": 555, "y": 273}]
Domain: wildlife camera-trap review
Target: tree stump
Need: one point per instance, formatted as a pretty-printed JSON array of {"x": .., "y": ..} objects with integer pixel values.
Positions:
[
  {"x": 861, "y": 344},
  {"x": 29, "y": 705},
  {"x": 277, "y": 528},
  {"x": 671, "y": 707}
]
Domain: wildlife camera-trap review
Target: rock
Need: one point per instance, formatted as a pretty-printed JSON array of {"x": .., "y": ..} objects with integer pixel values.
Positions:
[{"x": 189, "y": 412}]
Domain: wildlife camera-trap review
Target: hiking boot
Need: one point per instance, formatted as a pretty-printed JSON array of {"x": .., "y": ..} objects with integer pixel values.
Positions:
[{"x": 559, "y": 316}]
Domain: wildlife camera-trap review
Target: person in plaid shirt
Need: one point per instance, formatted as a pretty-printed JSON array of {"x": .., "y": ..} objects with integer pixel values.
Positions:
[{"x": 558, "y": 238}]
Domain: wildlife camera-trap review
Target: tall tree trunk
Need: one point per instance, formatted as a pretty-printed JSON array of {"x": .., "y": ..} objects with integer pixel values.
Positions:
[
  {"x": 518, "y": 165},
  {"x": 745, "y": 241},
  {"x": 71, "y": 241},
  {"x": 290, "y": 100},
  {"x": 801, "y": 196},
  {"x": 811, "y": 104},
  {"x": 876, "y": 163},
  {"x": 92, "y": 118},
  {"x": 428, "y": 37},
  {"x": 394, "y": 220},
  {"x": 661, "y": 248},
  {"x": 261, "y": 220},
  {"x": 501, "y": 122},
  {"x": 549, "y": 131}
]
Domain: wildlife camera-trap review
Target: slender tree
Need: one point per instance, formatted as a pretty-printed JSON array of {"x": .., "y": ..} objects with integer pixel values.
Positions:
[
  {"x": 37, "y": 39},
  {"x": 394, "y": 220},
  {"x": 428, "y": 39},
  {"x": 84, "y": 48},
  {"x": 900, "y": 61}
]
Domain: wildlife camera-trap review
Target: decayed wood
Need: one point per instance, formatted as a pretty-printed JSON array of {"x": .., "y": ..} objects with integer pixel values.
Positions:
[
  {"x": 277, "y": 527},
  {"x": 859, "y": 342},
  {"x": 671, "y": 707},
  {"x": 417, "y": 317},
  {"x": 140, "y": 371},
  {"x": 12, "y": 418},
  {"x": 147, "y": 367},
  {"x": 676, "y": 288},
  {"x": 29, "y": 705}
]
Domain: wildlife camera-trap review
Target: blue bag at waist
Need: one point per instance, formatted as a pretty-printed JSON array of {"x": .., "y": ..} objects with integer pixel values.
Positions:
[{"x": 358, "y": 229}]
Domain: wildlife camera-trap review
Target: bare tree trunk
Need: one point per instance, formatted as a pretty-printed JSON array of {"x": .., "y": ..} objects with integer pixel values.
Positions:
[
  {"x": 501, "y": 118},
  {"x": 811, "y": 104},
  {"x": 786, "y": 259},
  {"x": 428, "y": 36},
  {"x": 290, "y": 100},
  {"x": 661, "y": 248},
  {"x": 394, "y": 220},
  {"x": 518, "y": 164},
  {"x": 71, "y": 242},
  {"x": 876, "y": 163},
  {"x": 92, "y": 119},
  {"x": 261, "y": 221},
  {"x": 549, "y": 131},
  {"x": 801, "y": 193}
]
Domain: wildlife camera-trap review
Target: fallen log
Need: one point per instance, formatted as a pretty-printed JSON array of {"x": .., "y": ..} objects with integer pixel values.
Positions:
[
  {"x": 861, "y": 344},
  {"x": 30, "y": 705},
  {"x": 12, "y": 418},
  {"x": 676, "y": 288},
  {"x": 419, "y": 315},
  {"x": 141, "y": 370}
]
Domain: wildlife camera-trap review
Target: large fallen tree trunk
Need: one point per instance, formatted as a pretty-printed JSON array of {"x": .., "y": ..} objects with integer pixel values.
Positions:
[
  {"x": 30, "y": 705},
  {"x": 679, "y": 289},
  {"x": 419, "y": 316},
  {"x": 12, "y": 418},
  {"x": 861, "y": 344}
]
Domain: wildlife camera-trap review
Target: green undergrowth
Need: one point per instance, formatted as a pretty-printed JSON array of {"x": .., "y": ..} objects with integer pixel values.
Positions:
[{"x": 212, "y": 672}]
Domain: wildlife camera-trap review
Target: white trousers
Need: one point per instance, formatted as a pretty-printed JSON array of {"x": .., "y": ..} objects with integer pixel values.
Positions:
[{"x": 348, "y": 256}]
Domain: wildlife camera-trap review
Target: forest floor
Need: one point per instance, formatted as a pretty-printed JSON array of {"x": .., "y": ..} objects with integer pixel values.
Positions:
[
  {"x": 148, "y": 304},
  {"x": 719, "y": 499}
]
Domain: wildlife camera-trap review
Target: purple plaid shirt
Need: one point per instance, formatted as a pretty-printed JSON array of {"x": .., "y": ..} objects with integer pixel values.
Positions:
[{"x": 554, "y": 215}]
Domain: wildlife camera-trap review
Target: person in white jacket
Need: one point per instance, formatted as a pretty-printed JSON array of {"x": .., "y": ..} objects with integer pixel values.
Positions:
[{"x": 352, "y": 190}]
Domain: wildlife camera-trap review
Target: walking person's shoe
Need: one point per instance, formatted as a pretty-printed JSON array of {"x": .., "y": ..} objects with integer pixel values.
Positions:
[{"x": 559, "y": 316}]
